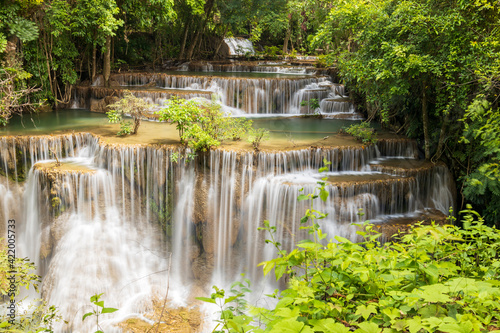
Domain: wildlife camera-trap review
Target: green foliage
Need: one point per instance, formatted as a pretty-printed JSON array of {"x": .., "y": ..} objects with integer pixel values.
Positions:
[
  {"x": 231, "y": 308},
  {"x": 326, "y": 60},
  {"x": 181, "y": 112},
  {"x": 98, "y": 310},
  {"x": 434, "y": 278},
  {"x": 198, "y": 139},
  {"x": 25, "y": 30},
  {"x": 272, "y": 52},
  {"x": 404, "y": 58},
  {"x": 363, "y": 132},
  {"x": 256, "y": 136},
  {"x": 3, "y": 43},
  {"x": 37, "y": 317},
  {"x": 482, "y": 138},
  {"x": 201, "y": 124},
  {"x": 312, "y": 104},
  {"x": 14, "y": 92},
  {"x": 135, "y": 107}
]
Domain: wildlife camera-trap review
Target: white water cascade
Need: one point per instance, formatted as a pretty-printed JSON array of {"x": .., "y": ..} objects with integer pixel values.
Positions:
[
  {"x": 110, "y": 220},
  {"x": 239, "y": 46}
]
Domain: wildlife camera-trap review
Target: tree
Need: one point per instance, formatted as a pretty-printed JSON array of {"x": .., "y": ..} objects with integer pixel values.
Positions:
[
  {"x": 14, "y": 93},
  {"x": 413, "y": 57},
  {"x": 202, "y": 124},
  {"x": 130, "y": 105},
  {"x": 481, "y": 177},
  {"x": 96, "y": 22}
]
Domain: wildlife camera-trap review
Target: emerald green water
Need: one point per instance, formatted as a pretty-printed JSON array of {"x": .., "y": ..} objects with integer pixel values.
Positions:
[
  {"x": 300, "y": 127},
  {"x": 80, "y": 120},
  {"x": 49, "y": 122}
]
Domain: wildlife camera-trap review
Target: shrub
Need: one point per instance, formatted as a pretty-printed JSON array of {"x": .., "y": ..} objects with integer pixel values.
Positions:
[
  {"x": 435, "y": 278},
  {"x": 363, "y": 132},
  {"x": 202, "y": 124},
  {"x": 256, "y": 136},
  {"x": 130, "y": 105},
  {"x": 312, "y": 104}
]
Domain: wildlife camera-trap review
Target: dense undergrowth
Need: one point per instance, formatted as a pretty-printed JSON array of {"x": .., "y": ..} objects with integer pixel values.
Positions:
[{"x": 436, "y": 278}]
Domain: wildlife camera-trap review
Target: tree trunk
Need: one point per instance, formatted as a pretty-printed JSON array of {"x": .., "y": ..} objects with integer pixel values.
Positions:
[
  {"x": 94, "y": 62},
  {"x": 425, "y": 121},
  {"x": 193, "y": 42},
  {"x": 184, "y": 38},
  {"x": 137, "y": 123},
  {"x": 288, "y": 34},
  {"x": 112, "y": 51},
  {"x": 106, "y": 68},
  {"x": 221, "y": 41},
  {"x": 442, "y": 137},
  {"x": 200, "y": 30}
]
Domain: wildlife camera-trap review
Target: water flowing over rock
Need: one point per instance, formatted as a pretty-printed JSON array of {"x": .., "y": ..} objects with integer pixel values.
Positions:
[
  {"x": 108, "y": 219},
  {"x": 239, "y": 46},
  {"x": 241, "y": 88}
]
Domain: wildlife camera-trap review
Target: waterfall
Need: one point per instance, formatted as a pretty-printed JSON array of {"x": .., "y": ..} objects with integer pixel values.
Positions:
[
  {"x": 239, "y": 46},
  {"x": 248, "y": 95},
  {"x": 111, "y": 217}
]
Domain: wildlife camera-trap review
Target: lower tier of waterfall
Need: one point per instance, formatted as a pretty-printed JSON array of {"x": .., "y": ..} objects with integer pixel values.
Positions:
[{"x": 128, "y": 220}]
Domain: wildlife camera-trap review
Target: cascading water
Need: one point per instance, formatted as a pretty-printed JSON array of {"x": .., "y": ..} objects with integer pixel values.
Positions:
[
  {"x": 239, "y": 46},
  {"x": 239, "y": 94},
  {"x": 114, "y": 218},
  {"x": 110, "y": 221}
]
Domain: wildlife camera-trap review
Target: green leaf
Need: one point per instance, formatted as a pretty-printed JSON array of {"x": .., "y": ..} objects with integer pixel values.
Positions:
[
  {"x": 302, "y": 197},
  {"x": 323, "y": 194},
  {"x": 108, "y": 310},
  {"x": 206, "y": 299},
  {"x": 328, "y": 326},
  {"x": 392, "y": 313},
  {"x": 95, "y": 297},
  {"x": 342, "y": 240},
  {"x": 268, "y": 266},
  {"x": 366, "y": 311},
  {"x": 232, "y": 298},
  {"x": 367, "y": 327},
  {"x": 290, "y": 325},
  {"x": 87, "y": 315}
]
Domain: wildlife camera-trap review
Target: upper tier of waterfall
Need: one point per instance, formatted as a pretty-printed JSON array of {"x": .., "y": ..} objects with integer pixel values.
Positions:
[
  {"x": 241, "y": 88},
  {"x": 239, "y": 46}
]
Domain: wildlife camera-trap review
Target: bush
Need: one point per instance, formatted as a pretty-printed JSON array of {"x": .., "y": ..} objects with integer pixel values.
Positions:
[
  {"x": 130, "y": 105},
  {"x": 363, "y": 132},
  {"x": 256, "y": 136},
  {"x": 202, "y": 124},
  {"x": 435, "y": 278},
  {"x": 312, "y": 104}
]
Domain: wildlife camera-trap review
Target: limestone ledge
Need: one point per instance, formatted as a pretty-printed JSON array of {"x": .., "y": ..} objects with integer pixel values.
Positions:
[{"x": 107, "y": 138}]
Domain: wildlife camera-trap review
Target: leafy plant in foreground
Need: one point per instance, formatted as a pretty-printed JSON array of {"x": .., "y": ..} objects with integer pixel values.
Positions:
[
  {"x": 436, "y": 278},
  {"x": 98, "y": 310},
  {"x": 16, "y": 273}
]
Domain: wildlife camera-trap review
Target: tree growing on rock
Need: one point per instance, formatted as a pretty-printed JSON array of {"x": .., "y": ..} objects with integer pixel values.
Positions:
[{"x": 135, "y": 107}]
